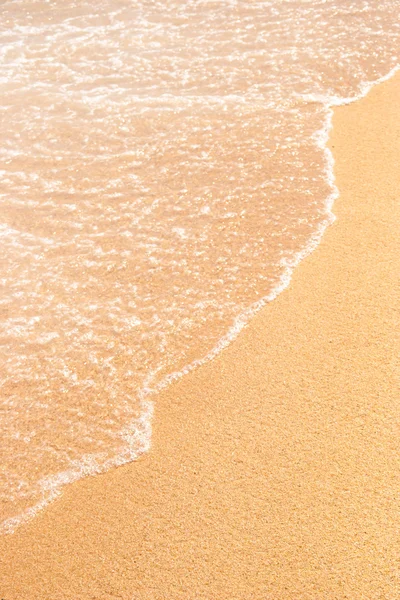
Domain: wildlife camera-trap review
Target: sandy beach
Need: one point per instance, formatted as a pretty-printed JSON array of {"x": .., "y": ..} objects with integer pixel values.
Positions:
[{"x": 274, "y": 472}]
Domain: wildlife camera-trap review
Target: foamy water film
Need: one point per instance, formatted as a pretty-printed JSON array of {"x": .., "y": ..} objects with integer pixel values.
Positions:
[{"x": 163, "y": 169}]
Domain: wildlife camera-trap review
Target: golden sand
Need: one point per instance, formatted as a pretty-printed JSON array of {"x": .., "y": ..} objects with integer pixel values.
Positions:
[{"x": 275, "y": 469}]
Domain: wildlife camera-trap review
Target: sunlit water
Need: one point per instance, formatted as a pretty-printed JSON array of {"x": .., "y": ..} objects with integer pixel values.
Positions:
[{"x": 163, "y": 169}]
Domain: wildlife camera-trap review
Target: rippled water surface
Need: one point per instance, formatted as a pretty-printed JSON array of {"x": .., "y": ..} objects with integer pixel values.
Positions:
[{"x": 162, "y": 171}]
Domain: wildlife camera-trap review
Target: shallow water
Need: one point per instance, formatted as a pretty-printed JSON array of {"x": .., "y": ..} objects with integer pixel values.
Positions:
[{"x": 163, "y": 170}]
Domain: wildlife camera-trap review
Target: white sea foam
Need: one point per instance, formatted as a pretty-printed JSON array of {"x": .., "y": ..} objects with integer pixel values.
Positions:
[{"x": 156, "y": 195}]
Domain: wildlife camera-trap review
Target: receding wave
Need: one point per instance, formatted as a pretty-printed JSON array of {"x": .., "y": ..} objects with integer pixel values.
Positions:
[{"x": 164, "y": 169}]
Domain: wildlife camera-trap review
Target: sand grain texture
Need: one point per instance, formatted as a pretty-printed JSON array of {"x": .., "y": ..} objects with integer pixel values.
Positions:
[{"x": 275, "y": 469}]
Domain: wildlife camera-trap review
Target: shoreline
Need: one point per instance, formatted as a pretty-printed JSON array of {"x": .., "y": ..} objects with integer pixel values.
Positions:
[{"x": 274, "y": 469}]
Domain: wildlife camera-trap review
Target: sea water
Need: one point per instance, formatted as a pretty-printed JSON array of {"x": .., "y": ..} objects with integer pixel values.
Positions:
[{"x": 163, "y": 170}]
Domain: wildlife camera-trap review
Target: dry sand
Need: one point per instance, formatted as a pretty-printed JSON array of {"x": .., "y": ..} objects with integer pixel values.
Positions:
[{"x": 275, "y": 470}]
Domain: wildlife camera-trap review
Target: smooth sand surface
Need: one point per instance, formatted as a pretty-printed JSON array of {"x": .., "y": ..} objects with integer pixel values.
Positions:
[{"x": 275, "y": 469}]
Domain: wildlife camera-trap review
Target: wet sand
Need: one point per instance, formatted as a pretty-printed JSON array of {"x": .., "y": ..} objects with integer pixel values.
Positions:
[{"x": 275, "y": 469}]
